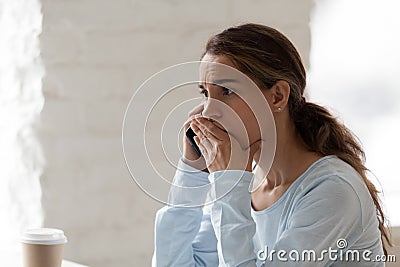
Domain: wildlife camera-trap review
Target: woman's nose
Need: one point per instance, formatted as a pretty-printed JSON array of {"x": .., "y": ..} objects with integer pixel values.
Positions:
[{"x": 212, "y": 108}]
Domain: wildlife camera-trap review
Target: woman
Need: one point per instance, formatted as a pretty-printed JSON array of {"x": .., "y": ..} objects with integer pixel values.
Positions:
[{"x": 315, "y": 203}]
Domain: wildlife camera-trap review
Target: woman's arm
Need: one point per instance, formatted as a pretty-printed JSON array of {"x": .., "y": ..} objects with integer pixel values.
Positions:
[
  {"x": 231, "y": 217},
  {"x": 183, "y": 236}
]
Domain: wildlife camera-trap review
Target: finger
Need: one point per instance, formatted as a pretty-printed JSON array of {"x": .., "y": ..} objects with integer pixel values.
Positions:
[
  {"x": 204, "y": 124},
  {"x": 211, "y": 149},
  {"x": 187, "y": 124},
  {"x": 208, "y": 145},
  {"x": 207, "y": 140},
  {"x": 197, "y": 110},
  {"x": 239, "y": 157},
  {"x": 201, "y": 146},
  {"x": 204, "y": 133},
  {"x": 207, "y": 149}
]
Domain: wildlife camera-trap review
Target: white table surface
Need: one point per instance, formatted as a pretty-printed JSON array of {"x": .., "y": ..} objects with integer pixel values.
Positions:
[{"x": 66, "y": 263}]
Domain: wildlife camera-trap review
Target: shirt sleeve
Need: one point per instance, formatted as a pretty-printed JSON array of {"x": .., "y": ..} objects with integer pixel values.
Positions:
[
  {"x": 183, "y": 236},
  {"x": 231, "y": 217}
]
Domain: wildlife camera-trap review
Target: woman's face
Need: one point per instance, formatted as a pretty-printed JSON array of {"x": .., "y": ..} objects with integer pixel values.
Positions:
[{"x": 225, "y": 106}]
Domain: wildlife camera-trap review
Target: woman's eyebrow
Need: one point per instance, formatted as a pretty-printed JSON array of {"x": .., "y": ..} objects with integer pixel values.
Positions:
[{"x": 219, "y": 82}]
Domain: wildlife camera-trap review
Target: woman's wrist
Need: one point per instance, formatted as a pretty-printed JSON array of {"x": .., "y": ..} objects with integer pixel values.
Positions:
[{"x": 197, "y": 164}]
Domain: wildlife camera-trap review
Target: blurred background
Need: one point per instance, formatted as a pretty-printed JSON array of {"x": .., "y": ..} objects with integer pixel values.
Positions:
[{"x": 68, "y": 69}]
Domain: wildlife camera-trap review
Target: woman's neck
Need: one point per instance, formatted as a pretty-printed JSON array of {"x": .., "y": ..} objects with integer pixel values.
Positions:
[{"x": 292, "y": 158}]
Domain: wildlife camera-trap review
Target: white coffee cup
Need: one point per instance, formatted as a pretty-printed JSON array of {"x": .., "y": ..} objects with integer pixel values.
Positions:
[{"x": 43, "y": 247}]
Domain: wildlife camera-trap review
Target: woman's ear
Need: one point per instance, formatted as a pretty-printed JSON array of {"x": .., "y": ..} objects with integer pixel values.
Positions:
[{"x": 279, "y": 95}]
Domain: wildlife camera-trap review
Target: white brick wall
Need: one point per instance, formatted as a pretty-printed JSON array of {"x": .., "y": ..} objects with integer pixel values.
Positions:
[
  {"x": 96, "y": 53},
  {"x": 21, "y": 100}
]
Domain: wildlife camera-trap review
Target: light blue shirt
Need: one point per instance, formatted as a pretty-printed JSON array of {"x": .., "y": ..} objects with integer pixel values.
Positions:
[{"x": 325, "y": 217}]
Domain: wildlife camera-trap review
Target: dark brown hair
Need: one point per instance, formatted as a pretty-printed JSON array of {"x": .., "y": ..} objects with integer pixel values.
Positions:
[{"x": 266, "y": 56}]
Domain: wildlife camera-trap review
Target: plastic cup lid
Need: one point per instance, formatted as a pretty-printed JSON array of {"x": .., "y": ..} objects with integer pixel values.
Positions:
[{"x": 44, "y": 236}]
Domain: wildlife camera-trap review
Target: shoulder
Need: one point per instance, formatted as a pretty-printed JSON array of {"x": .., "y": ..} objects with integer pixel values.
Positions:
[
  {"x": 334, "y": 187},
  {"x": 332, "y": 171}
]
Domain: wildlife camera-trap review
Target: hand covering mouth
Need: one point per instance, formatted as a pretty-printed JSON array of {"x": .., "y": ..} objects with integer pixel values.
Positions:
[{"x": 218, "y": 125}]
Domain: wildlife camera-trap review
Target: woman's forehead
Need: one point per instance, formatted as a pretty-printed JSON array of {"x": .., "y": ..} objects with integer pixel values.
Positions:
[
  {"x": 219, "y": 70},
  {"x": 215, "y": 68}
]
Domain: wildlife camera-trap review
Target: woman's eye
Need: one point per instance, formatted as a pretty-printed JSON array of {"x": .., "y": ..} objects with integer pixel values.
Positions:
[
  {"x": 228, "y": 91},
  {"x": 204, "y": 92}
]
